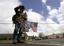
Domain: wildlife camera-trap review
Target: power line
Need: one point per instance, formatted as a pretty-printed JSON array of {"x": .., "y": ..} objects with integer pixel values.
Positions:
[
  {"x": 37, "y": 22},
  {"x": 6, "y": 23}
]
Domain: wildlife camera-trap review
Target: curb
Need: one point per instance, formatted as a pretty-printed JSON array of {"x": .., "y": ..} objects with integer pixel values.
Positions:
[
  {"x": 30, "y": 44},
  {"x": 45, "y": 44}
]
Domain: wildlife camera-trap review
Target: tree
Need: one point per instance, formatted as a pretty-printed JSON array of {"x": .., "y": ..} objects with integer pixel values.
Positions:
[
  {"x": 63, "y": 35},
  {"x": 41, "y": 35}
]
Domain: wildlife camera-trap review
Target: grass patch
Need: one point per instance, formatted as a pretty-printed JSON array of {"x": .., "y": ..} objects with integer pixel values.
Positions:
[{"x": 5, "y": 41}]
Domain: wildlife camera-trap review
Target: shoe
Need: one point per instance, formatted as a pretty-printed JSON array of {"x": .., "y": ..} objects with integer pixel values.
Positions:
[
  {"x": 14, "y": 43},
  {"x": 20, "y": 42}
]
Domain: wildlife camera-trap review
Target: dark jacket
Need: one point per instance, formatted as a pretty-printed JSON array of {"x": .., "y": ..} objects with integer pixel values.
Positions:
[{"x": 14, "y": 19}]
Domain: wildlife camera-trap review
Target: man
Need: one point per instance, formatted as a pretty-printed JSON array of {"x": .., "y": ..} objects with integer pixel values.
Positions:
[{"x": 18, "y": 19}]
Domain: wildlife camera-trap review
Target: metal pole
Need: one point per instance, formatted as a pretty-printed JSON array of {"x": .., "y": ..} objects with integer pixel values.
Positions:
[{"x": 25, "y": 32}]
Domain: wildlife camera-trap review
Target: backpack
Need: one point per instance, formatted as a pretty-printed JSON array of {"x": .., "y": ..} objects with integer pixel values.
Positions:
[
  {"x": 19, "y": 18},
  {"x": 14, "y": 19}
]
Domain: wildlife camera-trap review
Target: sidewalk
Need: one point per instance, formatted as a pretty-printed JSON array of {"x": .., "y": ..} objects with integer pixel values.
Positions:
[{"x": 29, "y": 44}]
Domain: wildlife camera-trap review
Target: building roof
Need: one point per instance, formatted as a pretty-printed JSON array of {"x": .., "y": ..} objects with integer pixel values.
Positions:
[{"x": 5, "y": 35}]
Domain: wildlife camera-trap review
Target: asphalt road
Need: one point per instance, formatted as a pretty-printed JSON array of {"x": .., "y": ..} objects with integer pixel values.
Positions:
[
  {"x": 54, "y": 41},
  {"x": 45, "y": 42},
  {"x": 28, "y": 44}
]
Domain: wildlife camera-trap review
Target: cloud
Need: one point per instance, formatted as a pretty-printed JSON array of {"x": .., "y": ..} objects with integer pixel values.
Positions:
[
  {"x": 60, "y": 18},
  {"x": 47, "y": 27},
  {"x": 7, "y": 9},
  {"x": 6, "y": 13},
  {"x": 61, "y": 12},
  {"x": 48, "y": 7},
  {"x": 44, "y": 1},
  {"x": 56, "y": 13},
  {"x": 6, "y": 28},
  {"x": 33, "y": 16},
  {"x": 53, "y": 13},
  {"x": 51, "y": 26},
  {"x": 61, "y": 28},
  {"x": 61, "y": 8}
]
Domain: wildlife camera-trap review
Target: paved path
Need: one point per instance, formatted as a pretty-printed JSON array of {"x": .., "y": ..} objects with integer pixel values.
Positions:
[
  {"x": 48, "y": 42},
  {"x": 25, "y": 44},
  {"x": 29, "y": 44}
]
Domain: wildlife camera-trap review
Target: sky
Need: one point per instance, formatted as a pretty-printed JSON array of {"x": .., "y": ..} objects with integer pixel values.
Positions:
[{"x": 48, "y": 13}]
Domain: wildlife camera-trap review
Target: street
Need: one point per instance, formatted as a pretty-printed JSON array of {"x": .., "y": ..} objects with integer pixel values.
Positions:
[
  {"x": 50, "y": 41},
  {"x": 45, "y": 42}
]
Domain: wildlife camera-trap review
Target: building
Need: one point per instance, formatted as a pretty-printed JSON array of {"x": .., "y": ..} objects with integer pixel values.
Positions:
[
  {"x": 59, "y": 35},
  {"x": 9, "y": 36},
  {"x": 6, "y": 36}
]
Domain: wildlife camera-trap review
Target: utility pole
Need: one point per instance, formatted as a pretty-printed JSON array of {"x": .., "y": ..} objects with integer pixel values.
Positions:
[{"x": 25, "y": 32}]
